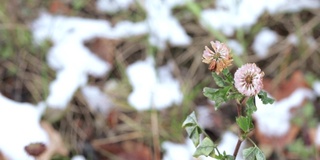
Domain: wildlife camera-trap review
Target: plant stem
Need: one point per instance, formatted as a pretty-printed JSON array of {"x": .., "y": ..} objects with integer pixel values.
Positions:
[
  {"x": 236, "y": 150},
  {"x": 240, "y": 140}
]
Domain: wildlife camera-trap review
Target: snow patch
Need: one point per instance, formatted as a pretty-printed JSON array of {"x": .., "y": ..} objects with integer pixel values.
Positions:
[
  {"x": 274, "y": 119},
  {"x": 230, "y": 15},
  {"x": 316, "y": 87},
  {"x": 96, "y": 99},
  {"x": 293, "y": 39},
  {"x": 152, "y": 88},
  {"x": 20, "y": 126},
  {"x": 205, "y": 117},
  {"x": 162, "y": 25},
  {"x": 78, "y": 157},
  {"x": 235, "y": 46},
  {"x": 69, "y": 57},
  {"x": 317, "y": 138},
  {"x": 174, "y": 151},
  {"x": 263, "y": 41}
]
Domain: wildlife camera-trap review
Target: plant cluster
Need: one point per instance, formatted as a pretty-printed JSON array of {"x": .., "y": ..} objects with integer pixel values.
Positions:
[{"x": 243, "y": 88}]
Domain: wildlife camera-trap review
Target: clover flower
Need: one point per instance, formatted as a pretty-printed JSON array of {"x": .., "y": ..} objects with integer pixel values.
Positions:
[
  {"x": 219, "y": 58},
  {"x": 248, "y": 79}
]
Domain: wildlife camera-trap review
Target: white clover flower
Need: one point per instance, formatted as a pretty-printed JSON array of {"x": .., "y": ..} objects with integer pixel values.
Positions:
[
  {"x": 219, "y": 58},
  {"x": 248, "y": 79}
]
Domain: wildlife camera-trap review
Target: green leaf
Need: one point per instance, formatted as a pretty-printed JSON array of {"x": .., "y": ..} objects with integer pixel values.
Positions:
[
  {"x": 229, "y": 77},
  {"x": 218, "y": 79},
  {"x": 224, "y": 156},
  {"x": 308, "y": 110},
  {"x": 250, "y": 106},
  {"x": 192, "y": 128},
  {"x": 190, "y": 120},
  {"x": 253, "y": 153},
  {"x": 264, "y": 98},
  {"x": 235, "y": 96},
  {"x": 260, "y": 155},
  {"x": 210, "y": 92},
  {"x": 217, "y": 95},
  {"x": 206, "y": 148},
  {"x": 245, "y": 123}
]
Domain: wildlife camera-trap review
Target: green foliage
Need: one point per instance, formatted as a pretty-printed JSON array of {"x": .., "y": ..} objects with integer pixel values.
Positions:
[
  {"x": 192, "y": 128},
  {"x": 245, "y": 123},
  {"x": 219, "y": 80},
  {"x": 250, "y": 106},
  {"x": 253, "y": 153},
  {"x": 78, "y": 4},
  {"x": 301, "y": 150},
  {"x": 224, "y": 156},
  {"x": 226, "y": 91},
  {"x": 206, "y": 148},
  {"x": 264, "y": 98},
  {"x": 217, "y": 95}
]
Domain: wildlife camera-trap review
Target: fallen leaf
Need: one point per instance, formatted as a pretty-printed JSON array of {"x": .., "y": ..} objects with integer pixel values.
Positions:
[
  {"x": 58, "y": 7},
  {"x": 2, "y": 157},
  {"x": 127, "y": 150},
  {"x": 56, "y": 145},
  {"x": 286, "y": 87},
  {"x": 103, "y": 48}
]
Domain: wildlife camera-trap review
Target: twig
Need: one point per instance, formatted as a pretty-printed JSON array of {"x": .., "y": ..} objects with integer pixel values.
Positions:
[
  {"x": 240, "y": 113},
  {"x": 155, "y": 134},
  {"x": 236, "y": 150}
]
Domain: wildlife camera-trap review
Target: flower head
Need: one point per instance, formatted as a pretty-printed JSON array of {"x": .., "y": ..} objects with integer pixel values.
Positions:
[
  {"x": 248, "y": 79},
  {"x": 219, "y": 58}
]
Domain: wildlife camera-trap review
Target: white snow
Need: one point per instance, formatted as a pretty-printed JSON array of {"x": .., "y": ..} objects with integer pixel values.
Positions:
[
  {"x": 96, "y": 99},
  {"x": 230, "y": 15},
  {"x": 274, "y": 119},
  {"x": 152, "y": 88},
  {"x": 174, "y": 151},
  {"x": 317, "y": 137},
  {"x": 69, "y": 57},
  {"x": 20, "y": 126},
  {"x": 162, "y": 25},
  {"x": 58, "y": 28},
  {"x": 316, "y": 87},
  {"x": 235, "y": 46},
  {"x": 204, "y": 117},
  {"x": 263, "y": 41},
  {"x": 74, "y": 62},
  {"x": 293, "y": 39},
  {"x": 228, "y": 143},
  {"x": 112, "y": 6},
  {"x": 78, "y": 157}
]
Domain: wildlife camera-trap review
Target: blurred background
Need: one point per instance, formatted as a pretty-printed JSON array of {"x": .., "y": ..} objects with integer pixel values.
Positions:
[{"x": 115, "y": 79}]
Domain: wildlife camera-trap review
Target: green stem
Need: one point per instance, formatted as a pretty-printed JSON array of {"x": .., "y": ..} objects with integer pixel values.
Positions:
[
  {"x": 252, "y": 141},
  {"x": 240, "y": 113}
]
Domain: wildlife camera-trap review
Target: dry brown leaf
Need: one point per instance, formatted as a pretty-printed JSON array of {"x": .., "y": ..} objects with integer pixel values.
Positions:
[
  {"x": 286, "y": 87},
  {"x": 313, "y": 134},
  {"x": 127, "y": 150},
  {"x": 278, "y": 142},
  {"x": 2, "y": 157},
  {"x": 56, "y": 145},
  {"x": 59, "y": 7},
  {"x": 103, "y": 48}
]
